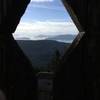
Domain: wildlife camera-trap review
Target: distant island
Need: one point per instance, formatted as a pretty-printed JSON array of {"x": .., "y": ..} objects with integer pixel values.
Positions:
[
  {"x": 68, "y": 38},
  {"x": 63, "y": 38}
]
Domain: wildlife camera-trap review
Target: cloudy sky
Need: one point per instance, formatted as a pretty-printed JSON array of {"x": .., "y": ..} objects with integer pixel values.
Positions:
[{"x": 44, "y": 19}]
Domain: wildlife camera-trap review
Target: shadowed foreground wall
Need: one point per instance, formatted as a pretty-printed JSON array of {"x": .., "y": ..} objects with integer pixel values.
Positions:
[
  {"x": 17, "y": 77},
  {"x": 78, "y": 76}
]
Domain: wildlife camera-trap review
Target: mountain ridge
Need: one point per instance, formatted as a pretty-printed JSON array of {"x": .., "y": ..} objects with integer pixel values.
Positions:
[{"x": 40, "y": 52}]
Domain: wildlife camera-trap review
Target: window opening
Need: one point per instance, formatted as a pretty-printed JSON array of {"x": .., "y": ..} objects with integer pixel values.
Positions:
[{"x": 44, "y": 33}]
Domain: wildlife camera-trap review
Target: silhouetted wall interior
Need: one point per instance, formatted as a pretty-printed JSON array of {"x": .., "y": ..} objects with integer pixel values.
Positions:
[
  {"x": 78, "y": 77},
  {"x": 17, "y": 77}
]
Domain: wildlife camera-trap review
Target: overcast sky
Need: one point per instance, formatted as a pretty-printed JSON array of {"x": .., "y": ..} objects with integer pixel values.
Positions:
[{"x": 45, "y": 18}]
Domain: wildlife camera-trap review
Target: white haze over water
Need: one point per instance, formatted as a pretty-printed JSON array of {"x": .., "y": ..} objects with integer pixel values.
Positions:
[
  {"x": 41, "y": 30},
  {"x": 50, "y": 22}
]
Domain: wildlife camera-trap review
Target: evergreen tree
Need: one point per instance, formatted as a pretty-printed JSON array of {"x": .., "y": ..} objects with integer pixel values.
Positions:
[{"x": 55, "y": 61}]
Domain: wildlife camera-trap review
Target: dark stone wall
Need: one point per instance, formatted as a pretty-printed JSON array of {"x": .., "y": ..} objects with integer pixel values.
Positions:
[
  {"x": 79, "y": 73},
  {"x": 17, "y": 76},
  {"x": 10, "y": 14}
]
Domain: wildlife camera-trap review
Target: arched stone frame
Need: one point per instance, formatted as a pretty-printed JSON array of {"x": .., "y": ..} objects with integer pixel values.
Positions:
[
  {"x": 87, "y": 54},
  {"x": 78, "y": 25}
]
